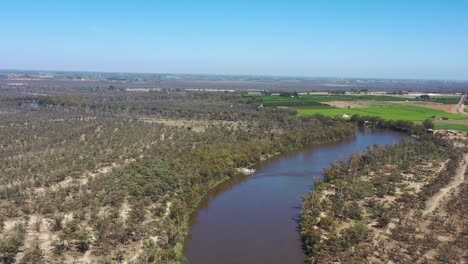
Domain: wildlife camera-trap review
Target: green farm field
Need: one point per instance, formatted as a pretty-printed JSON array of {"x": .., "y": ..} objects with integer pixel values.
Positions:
[
  {"x": 452, "y": 126},
  {"x": 409, "y": 113},
  {"x": 316, "y": 100}
]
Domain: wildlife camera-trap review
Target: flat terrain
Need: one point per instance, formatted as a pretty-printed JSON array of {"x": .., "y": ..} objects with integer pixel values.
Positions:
[
  {"x": 400, "y": 112},
  {"x": 322, "y": 99},
  {"x": 400, "y": 204},
  {"x": 442, "y": 109},
  {"x": 410, "y": 113},
  {"x": 111, "y": 176},
  {"x": 107, "y": 169},
  {"x": 459, "y": 125},
  {"x": 225, "y": 82}
]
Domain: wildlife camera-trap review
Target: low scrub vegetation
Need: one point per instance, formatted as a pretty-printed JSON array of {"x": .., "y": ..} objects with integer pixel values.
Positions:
[
  {"x": 371, "y": 209},
  {"x": 86, "y": 178}
]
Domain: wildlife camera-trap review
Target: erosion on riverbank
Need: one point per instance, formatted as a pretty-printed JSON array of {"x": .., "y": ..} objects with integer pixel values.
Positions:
[{"x": 387, "y": 205}]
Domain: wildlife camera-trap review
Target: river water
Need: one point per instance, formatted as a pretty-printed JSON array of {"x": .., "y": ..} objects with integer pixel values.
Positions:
[{"x": 254, "y": 219}]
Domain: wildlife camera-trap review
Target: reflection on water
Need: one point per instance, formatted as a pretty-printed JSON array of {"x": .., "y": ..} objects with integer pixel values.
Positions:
[
  {"x": 220, "y": 189},
  {"x": 254, "y": 219}
]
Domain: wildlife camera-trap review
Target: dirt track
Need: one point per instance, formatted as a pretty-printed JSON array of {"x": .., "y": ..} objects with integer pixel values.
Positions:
[
  {"x": 461, "y": 106},
  {"x": 435, "y": 201}
]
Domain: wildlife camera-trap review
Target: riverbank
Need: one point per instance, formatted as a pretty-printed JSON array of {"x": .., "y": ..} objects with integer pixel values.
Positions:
[
  {"x": 320, "y": 131},
  {"x": 371, "y": 208},
  {"x": 241, "y": 221}
]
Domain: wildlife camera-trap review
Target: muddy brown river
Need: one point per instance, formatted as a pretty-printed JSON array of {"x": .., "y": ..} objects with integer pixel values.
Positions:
[{"x": 254, "y": 219}]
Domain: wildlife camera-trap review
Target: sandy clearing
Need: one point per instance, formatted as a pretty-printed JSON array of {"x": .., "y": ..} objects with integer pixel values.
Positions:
[
  {"x": 195, "y": 125},
  {"x": 168, "y": 209},
  {"x": 138, "y": 252},
  {"x": 125, "y": 210},
  {"x": 43, "y": 237},
  {"x": 9, "y": 224},
  {"x": 83, "y": 180},
  {"x": 86, "y": 258},
  {"x": 31, "y": 235}
]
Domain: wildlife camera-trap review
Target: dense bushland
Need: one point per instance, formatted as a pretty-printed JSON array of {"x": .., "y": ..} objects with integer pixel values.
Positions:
[{"x": 84, "y": 175}]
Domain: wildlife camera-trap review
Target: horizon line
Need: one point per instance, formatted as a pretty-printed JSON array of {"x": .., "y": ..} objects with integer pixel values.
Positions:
[{"x": 238, "y": 75}]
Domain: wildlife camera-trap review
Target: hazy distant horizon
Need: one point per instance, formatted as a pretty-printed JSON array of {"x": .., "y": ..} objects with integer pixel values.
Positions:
[
  {"x": 366, "y": 39},
  {"x": 237, "y": 75}
]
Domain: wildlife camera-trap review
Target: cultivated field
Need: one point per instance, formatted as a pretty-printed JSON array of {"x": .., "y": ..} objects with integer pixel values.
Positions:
[
  {"x": 409, "y": 112},
  {"x": 440, "y": 108},
  {"x": 443, "y": 120},
  {"x": 320, "y": 100}
]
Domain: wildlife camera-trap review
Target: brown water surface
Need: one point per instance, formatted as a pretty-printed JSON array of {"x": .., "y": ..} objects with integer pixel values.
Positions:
[{"x": 254, "y": 219}]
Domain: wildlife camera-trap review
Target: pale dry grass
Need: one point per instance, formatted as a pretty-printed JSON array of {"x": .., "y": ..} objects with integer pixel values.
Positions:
[
  {"x": 443, "y": 107},
  {"x": 194, "y": 125},
  {"x": 356, "y": 104}
]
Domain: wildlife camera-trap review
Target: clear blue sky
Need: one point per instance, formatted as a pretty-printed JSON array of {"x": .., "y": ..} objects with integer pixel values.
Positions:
[{"x": 347, "y": 38}]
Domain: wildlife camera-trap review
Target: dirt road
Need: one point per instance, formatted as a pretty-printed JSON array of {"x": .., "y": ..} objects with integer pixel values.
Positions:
[
  {"x": 435, "y": 200},
  {"x": 461, "y": 105}
]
